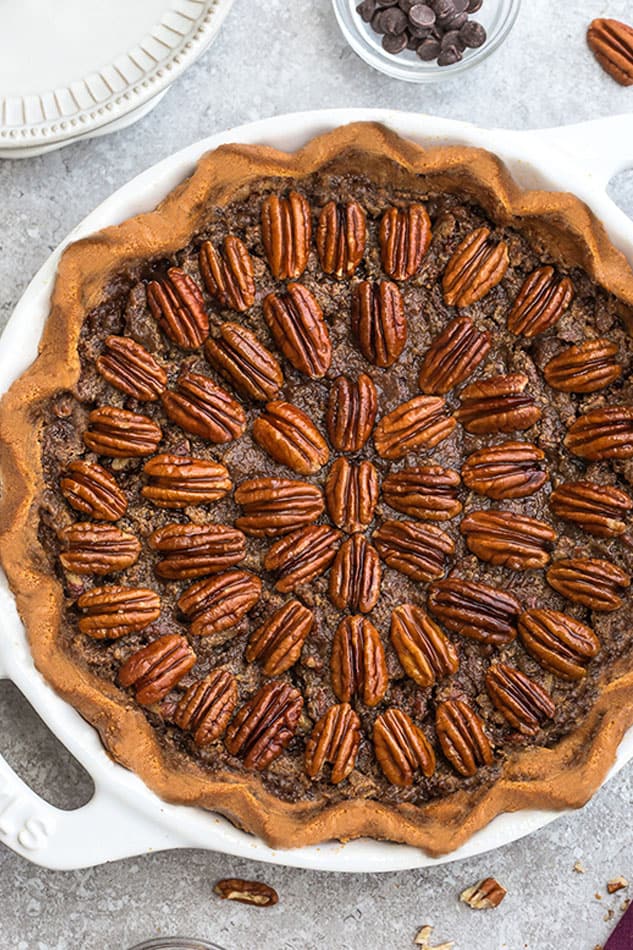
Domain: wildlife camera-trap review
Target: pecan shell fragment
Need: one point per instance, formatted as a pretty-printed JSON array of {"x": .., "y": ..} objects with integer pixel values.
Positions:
[
  {"x": 598, "y": 509},
  {"x": 301, "y": 556},
  {"x": 204, "y": 409},
  {"x": 584, "y": 368},
  {"x": 476, "y": 267},
  {"x": 462, "y": 737},
  {"x": 475, "y": 610},
  {"x": 351, "y": 491},
  {"x": 228, "y": 273},
  {"x": 602, "y": 434},
  {"x": 238, "y": 355},
  {"x": 424, "y": 651},
  {"x": 509, "y": 470},
  {"x": 127, "y": 366},
  {"x": 422, "y": 422},
  {"x": 521, "y": 701},
  {"x": 335, "y": 739},
  {"x": 351, "y": 412},
  {"x": 286, "y": 234},
  {"x": 265, "y": 725},
  {"x": 192, "y": 550},
  {"x": 401, "y": 748},
  {"x": 219, "y": 602},
  {"x": 206, "y": 707},
  {"x": 378, "y": 321},
  {"x": 97, "y": 548},
  {"x": 90, "y": 489},
  {"x": 118, "y": 433},
  {"x": 428, "y": 492},
  {"x": 112, "y": 612},
  {"x": 278, "y": 642},
  {"x": 340, "y": 238},
  {"x": 541, "y": 302},
  {"x": 419, "y": 551},
  {"x": 275, "y": 506},
  {"x": 177, "y": 481},
  {"x": 592, "y": 582},
  {"x": 508, "y": 539},
  {"x": 498, "y": 404},
  {"x": 453, "y": 356},
  {"x": 560, "y": 643},
  {"x": 290, "y": 437},
  {"x": 358, "y": 664},
  {"x": 355, "y": 576},
  {"x": 484, "y": 895},
  {"x": 405, "y": 235},
  {"x": 177, "y": 305},
  {"x": 296, "y": 322},
  {"x": 154, "y": 670}
]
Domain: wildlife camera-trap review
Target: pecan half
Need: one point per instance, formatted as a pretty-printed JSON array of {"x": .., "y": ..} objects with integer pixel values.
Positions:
[
  {"x": 291, "y": 437},
  {"x": 177, "y": 305},
  {"x": 278, "y": 642},
  {"x": 154, "y": 670},
  {"x": 405, "y": 235},
  {"x": 519, "y": 699},
  {"x": 296, "y": 322},
  {"x": 90, "y": 489},
  {"x": 422, "y": 422},
  {"x": 475, "y": 610},
  {"x": 541, "y": 302},
  {"x": 207, "y": 706},
  {"x": 177, "y": 481},
  {"x": 476, "y": 267},
  {"x": 453, "y": 356},
  {"x": 246, "y": 892},
  {"x": 561, "y": 644},
  {"x": 335, "y": 739},
  {"x": 355, "y": 576},
  {"x": 462, "y": 737},
  {"x": 118, "y": 433},
  {"x": 358, "y": 664},
  {"x": 351, "y": 491},
  {"x": 238, "y": 355},
  {"x": 401, "y": 748},
  {"x": 265, "y": 725},
  {"x": 509, "y": 470},
  {"x": 584, "y": 368},
  {"x": 228, "y": 273},
  {"x": 204, "y": 409},
  {"x": 598, "y": 509},
  {"x": 602, "y": 434},
  {"x": 286, "y": 234},
  {"x": 419, "y": 551},
  {"x": 340, "y": 237},
  {"x": 351, "y": 412},
  {"x": 194, "y": 550},
  {"x": 508, "y": 539},
  {"x": 485, "y": 895},
  {"x": 220, "y": 602},
  {"x": 498, "y": 404},
  {"x": 127, "y": 366},
  {"x": 110, "y": 612},
  {"x": 378, "y": 321},
  {"x": 424, "y": 651},
  {"x": 303, "y": 555},
  {"x": 97, "y": 548},
  {"x": 593, "y": 582},
  {"x": 611, "y": 42},
  {"x": 275, "y": 506},
  {"x": 429, "y": 492}
]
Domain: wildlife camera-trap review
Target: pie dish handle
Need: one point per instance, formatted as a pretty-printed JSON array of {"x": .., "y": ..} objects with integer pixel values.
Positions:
[{"x": 600, "y": 147}]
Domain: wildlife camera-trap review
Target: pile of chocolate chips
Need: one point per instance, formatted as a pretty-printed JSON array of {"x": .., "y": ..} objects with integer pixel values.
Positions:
[{"x": 436, "y": 29}]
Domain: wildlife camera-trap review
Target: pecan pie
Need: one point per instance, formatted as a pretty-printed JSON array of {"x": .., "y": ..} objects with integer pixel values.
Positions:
[{"x": 317, "y": 498}]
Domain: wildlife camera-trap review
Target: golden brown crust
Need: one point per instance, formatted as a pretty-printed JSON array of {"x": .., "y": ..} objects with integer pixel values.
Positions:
[{"x": 562, "y": 777}]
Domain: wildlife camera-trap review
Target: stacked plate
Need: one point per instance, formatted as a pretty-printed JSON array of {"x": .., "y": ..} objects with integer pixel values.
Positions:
[{"x": 71, "y": 69}]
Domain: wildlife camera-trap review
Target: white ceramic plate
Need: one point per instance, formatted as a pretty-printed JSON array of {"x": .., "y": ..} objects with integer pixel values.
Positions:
[
  {"x": 72, "y": 69},
  {"x": 580, "y": 159}
]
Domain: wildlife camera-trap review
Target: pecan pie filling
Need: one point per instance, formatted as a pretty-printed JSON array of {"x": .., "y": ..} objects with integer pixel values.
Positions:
[{"x": 343, "y": 494}]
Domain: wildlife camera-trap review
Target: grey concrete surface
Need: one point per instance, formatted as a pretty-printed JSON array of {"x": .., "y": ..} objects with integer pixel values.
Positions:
[{"x": 274, "y": 57}]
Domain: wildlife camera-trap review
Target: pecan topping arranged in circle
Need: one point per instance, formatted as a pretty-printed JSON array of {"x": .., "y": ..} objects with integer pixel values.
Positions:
[
  {"x": 90, "y": 489},
  {"x": 351, "y": 491},
  {"x": 598, "y": 509},
  {"x": 498, "y": 404},
  {"x": 561, "y": 644},
  {"x": 520, "y": 700},
  {"x": 541, "y": 302},
  {"x": 335, "y": 739},
  {"x": 128, "y": 366},
  {"x": 177, "y": 305},
  {"x": 602, "y": 434},
  {"x": 206, "y": 707},
  {"x": 303, "y": 555},
  {"x": 278, "y": 642},
  {"x": 265, "y": 725},
  {"x": 584, "y": 368},
  {"x": 402, "y": 748},
  {"x": 422, "y": 422},
  {"x": 219, "y": 603},
  {"x": 611, "y": 42},
  {"x": 419, "y": 551},
  {"x": 275, "y": 506},
  {"x": 238, "y": 355},
  {"x": 355, "y": 576},
  {"x": 296, "y": 322},
  {"x": 453, "y": 356},
  {"x": 98, "y": 548},
  {"x": 462, "y": 737},
  {"x": 405, "y": 235},
  {"x": 118, "y": 433},
  {"x": 378, "y": 321},
  {"x": 177, "y": 481},
  {"x": 429, "y": 492},
  {"x": 476, "y": 267},
  {"x": 201, "y": 407},
  {"x": 424, "y": 651},
  {"x": 351, "y": 412},
  {"x": 509, "y": 470},
  {"x": 228, "y": 274},
  {"x": 192, "y": 550},
  {"x": 286, "y": 234},
  {"x": 111, "y": 612},
  {"x": 593, "y": 582},
  {"x": 358, "y": 662},
  {"x": 340, "y": 238},
  {"x": 154, "y": 670},
  {"x": 290, "y": 437},
  {"x": 475, "y": 610},
  {"x": 508, "y": 539}
]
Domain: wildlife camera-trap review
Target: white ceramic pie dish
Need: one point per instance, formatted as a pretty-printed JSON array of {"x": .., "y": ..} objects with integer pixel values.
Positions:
[{"x": 124, "y": 818}]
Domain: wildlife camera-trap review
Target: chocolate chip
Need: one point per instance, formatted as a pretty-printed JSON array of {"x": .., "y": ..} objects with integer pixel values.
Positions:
[
  {"x": 405, "y": 5},
  {"x": 386, "y": 3},
  {"x": 444, "y": 10},
  {"x": 461, "y": 6},
  {"x": 420, "y": 15},
  {"x": 473, "y": 34},
  {"x": 429, "y": 50},
  {"x": 449, "y": 56},
  {"x": 393, "y": 21},
  {"x": 395, "y": 42},
  {"x": 474, "y": 5},
  {"x": 413, "y": 42},
  {"x": 452, "y": 39},
  {"x": 366, "y": 9},
  {"x": 457, "y": 22}
]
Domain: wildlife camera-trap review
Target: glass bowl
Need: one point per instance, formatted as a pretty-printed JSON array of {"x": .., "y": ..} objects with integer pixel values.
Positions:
[
  {"x": 175, "y": 943},
  {"x": 497, "y": 16}
]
